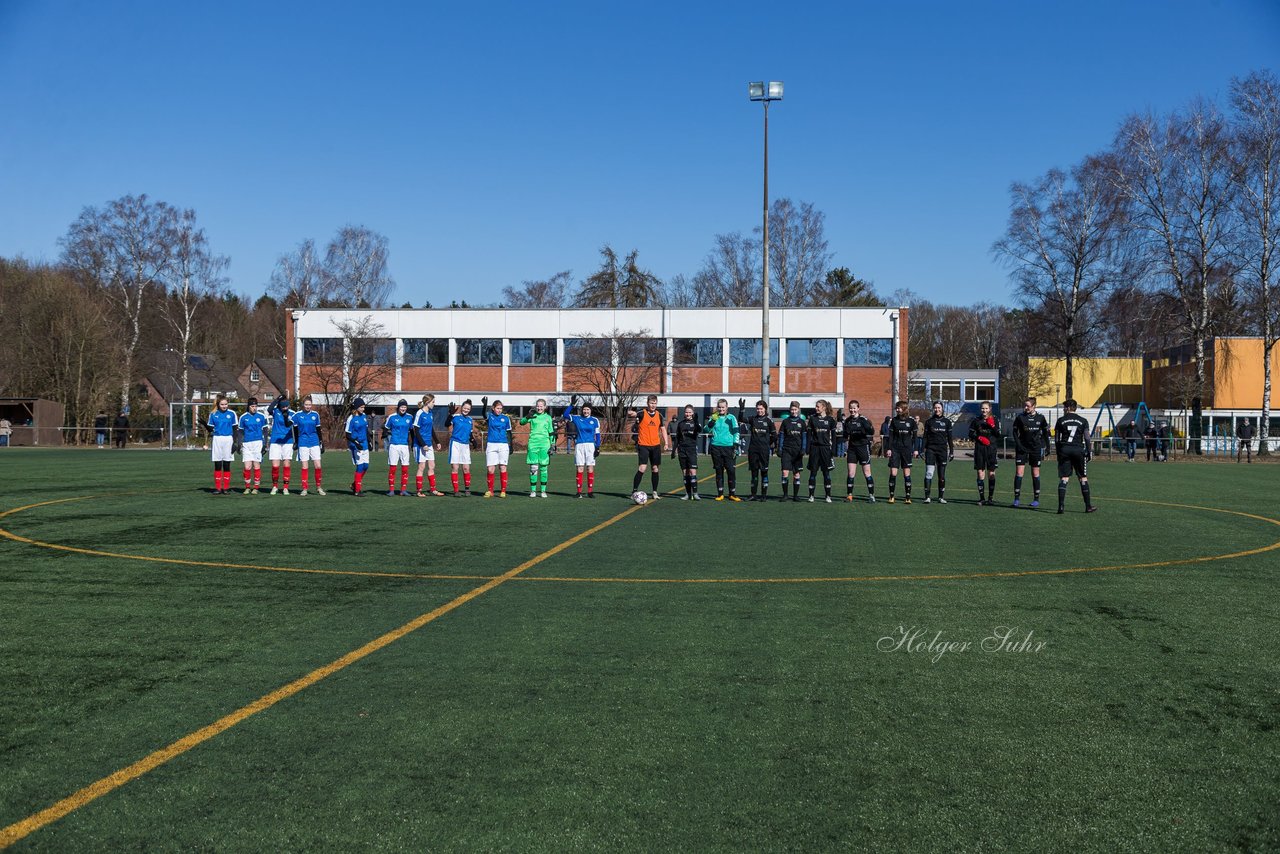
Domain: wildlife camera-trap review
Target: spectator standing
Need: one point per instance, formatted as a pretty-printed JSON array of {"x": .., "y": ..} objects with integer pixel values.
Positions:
[{"x": 121, "y": 428}]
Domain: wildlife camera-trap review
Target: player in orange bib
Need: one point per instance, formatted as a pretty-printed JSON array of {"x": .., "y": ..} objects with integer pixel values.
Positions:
[{"x": 651, "y": 442}]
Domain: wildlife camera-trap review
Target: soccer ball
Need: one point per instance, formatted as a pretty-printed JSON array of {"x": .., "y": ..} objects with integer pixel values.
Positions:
[{"x": 639, "y": 497}]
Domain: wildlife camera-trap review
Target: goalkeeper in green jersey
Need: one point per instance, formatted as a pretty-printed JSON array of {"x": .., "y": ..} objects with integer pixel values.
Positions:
[{"x": 542, "y": 431}]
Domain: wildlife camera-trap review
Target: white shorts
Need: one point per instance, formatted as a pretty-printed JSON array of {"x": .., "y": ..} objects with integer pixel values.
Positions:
[
  {"x": 221, "y": 446},
  {"x": 584, "y": 454},
  {"x": 251, "y": 452},
  {"x": 309, "y": 454},
  {"x": 397, "y": 455},
  {"x": 459, "y": 454},
  {"x": 497, "y": 454},
  {"x": 360, "y": 458},
  {"x": 426, "y": 454},
  {"x": 281, "y": 452}
]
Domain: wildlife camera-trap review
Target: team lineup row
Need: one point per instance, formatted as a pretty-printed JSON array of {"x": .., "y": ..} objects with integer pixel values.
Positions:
[{"x": 411, "y": 438}]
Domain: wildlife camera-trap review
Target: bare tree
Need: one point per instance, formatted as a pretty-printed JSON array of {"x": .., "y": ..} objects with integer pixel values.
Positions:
[
  {"x": 614, "y": 369},
  {"x": 363, "y": 368},
  {"x": 1256, "y": 100},
  {"x": 299, "y": 279},
  {"x": 197, "y": 275},
  {"x": 539, "y": 293},
  {"x": 679, "y": 292},
  {"x": 355, "y": 264},
  {"x": 731, "y": 274},
  {"x": 619, "y": 285},
  {"x": 1177, "y": 174},
  {"x": 798, "y": 254},
  {"x": 1064, "y": 245},
  {"x": 127, "y": 247}
]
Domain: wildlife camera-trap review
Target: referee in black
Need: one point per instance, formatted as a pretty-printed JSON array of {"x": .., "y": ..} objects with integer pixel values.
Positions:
[{"x": 902, "y": 433}]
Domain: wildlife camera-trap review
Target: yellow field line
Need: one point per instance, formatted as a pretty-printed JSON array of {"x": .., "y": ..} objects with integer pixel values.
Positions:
[{"x": 20, "y": 829}]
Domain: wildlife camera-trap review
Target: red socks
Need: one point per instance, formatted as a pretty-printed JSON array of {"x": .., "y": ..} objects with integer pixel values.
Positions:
[
  {"x": 275, "y": 475},
  {"x": 579, "y": 481},
  {"x": 489, "y": 480},
  {"x": 503, "y": 476},
  {"x": 418, "y": 480},
  {"x": 454, "y": 478},
  {"x": 591, "y": 482}
]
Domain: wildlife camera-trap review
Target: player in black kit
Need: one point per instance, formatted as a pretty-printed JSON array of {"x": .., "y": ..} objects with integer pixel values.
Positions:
[
  {"x": 1071, "y": 438},
  {"x": 1030, "y": 442},
  {"x": 791, "y": 435},
  {"x": 858, "y": 433},
  {"x": 762, "y": 436},
  {"x": 902, "y": 432},
  {"x": 684, "y": 444},
  {"x": 822, "y": 441},
  {"x": 985, "y": 432},
  {"x": 938, "y": 451}
]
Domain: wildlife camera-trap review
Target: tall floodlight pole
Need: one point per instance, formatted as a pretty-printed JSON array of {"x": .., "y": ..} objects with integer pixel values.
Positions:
[{"x": 765, "y": 92}]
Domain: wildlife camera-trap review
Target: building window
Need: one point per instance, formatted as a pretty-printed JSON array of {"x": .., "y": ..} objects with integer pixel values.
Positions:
[
  {"x": 254, "y": 375},
  {"x": 877, "y": 352},
  {"x": 708, "y": 352},
  {"x": 642, "y": 351},
  {"x": 373, "y": 351},
  {"x": 945, "y": 390},
  {"x": 976, "y": 392},
  {"x": 745, "y": 352},
  {"x": 479, "y": 351},
  {"x": 322, "y": 351},
  {"x": 426, "y": 351},
  {"x": 586, "y": 351},
  {"x": 533, "y": 351},
  {"x": 811, "y": 352}
]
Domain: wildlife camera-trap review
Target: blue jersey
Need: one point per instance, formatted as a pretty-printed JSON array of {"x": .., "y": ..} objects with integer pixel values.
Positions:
[
  {"x": 281, "y": 427},
  {"x": 499, "y": 425},
  {"x": 308, "y": 424},
  {"x": 398, "y": 427},
  {"x": 588, "y": 428},
  {"x": 222, "y": 422},
  {"x": 423, "y": 423},
  {"x": 251, "y": 424},
  {"x": 358, "y": 429},
  {"x": 461, "y": 425}
]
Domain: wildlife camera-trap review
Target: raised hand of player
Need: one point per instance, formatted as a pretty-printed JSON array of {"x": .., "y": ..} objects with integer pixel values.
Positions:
[{"x": 484, "y": 402}]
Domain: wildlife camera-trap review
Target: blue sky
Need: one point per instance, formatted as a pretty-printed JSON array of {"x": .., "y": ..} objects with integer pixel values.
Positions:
[{"x": 499, "y": 142}]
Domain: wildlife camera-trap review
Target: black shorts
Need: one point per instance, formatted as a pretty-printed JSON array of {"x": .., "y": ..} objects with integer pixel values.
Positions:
[
  {"x": 1028, "y": 458},
  {"x": 688, "y": 457},
  {"x": 722, "y": 456},
  {"x": 758, "y": 458},
  {"x": 985, "y": 457},
  {"x": 820, "y": 458},
  {"x": 860, "y": 454},
  {"x": 1072, "y": 461},
  {"x": 649, "y": 455},
  {"x": 901, "y": 458},
  {"x": 935, "y": 457},
  {"x": 792, "y": 460}
]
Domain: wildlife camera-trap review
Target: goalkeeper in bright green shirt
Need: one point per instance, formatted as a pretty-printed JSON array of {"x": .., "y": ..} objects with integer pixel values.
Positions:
[
  {"x": 723, "y": 428},
  {"x": 542, "y": 431}
]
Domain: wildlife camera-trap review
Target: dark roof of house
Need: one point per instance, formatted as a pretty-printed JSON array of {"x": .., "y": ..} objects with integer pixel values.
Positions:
[
  {"x": 273, "y": 370},
  {"x": 205, "y": 373}
]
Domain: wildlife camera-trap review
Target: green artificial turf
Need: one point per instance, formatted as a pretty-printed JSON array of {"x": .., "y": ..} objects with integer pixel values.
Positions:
[{"x": 589, "y": 703}]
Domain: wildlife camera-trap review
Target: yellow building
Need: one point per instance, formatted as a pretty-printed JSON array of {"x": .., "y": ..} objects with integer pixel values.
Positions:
[
  {"x": 1096, "y": 380},
  {"x": 1233, "y": 371}
]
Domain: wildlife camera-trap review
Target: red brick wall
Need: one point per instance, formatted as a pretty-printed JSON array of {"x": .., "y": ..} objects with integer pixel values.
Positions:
[
  {"x": 695, "y": 380},
  {"x": 811, "y": 381},
  {"x": 484, "y": 378},
  {"x": 432, "y": 378},
  {"x": 531, "y": 379}
]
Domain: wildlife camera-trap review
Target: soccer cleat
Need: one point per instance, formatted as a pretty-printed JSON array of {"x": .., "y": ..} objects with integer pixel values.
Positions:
[
  {"x": 849, "y": 498},
  {"x": 928, "y": 500},
  {"x": 466, "y": 493},
  {"x": 589, "y": 494},
  {"x": 391, "y": 493},
  {"x": 304, "y": 492},
  {"x": 656, "y": 496},
  {"x": 254, "y": 490},
  {"x": 544, "y": 494},
  {"x": 697, "y": 497},
  {"x": 246, "y": 491},
  {"x": 828, "y": 499},
  {"x": 942, "y": 501},
  {"x": 1035, "y": 504},
  {"x": 684, "y": 497},
  {"x": 284, "y": 491},
  {"x": 422, "y": 495},
  {"x": 871, "y": 499},
  {"x": 734, "y": 498},
  {"x": 1091, "y": 509},
  {"x": 533, "y": 494},
  {"x": 436, "y": 492},
  {"x": 906, "y": 501},
  {"x": 1016, "y": 502},
  {"x": 502, "y": 494},
  {"x": 1061, "y": 511},
  {"x": 719, "y": 498},
  {"x": 579, "y": 495},
  {"x": 457, "y": 494},
  {"x": 891, "y": 499},
  {"x": 810, "y": 499}
]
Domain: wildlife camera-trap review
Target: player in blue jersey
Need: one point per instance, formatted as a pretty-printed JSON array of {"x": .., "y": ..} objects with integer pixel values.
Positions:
[
  {"x": 281, "y": 451},
  {"x": 460, "y": 429},
  {"x": 497, "y": 448},
  {"x": 586, "y": 429},
  {"x": 397, "y": 429},
  {"x": 424, "y": 445},
  {"x": 356, "y": 432},
  {"x": 309, "y": 435},
  {"x": 251, "y": 426},
  {"x": 221, "y": 426}
]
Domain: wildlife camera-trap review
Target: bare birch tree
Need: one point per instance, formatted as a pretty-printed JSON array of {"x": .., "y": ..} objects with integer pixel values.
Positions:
[
  {"x": 730, "y": 276},
  {"x": 197, "y": 275},
  {"x": 299, "y": 279},
  {"x": 355, "y": 263},
  {"x": 539, "y": 293}
]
